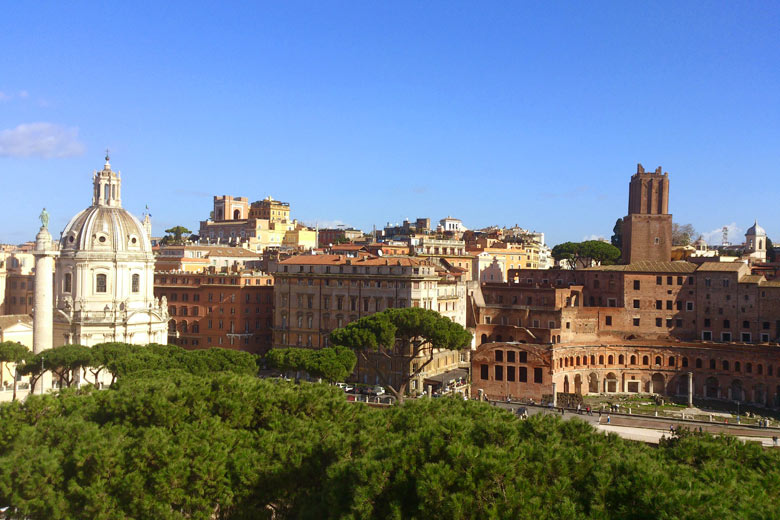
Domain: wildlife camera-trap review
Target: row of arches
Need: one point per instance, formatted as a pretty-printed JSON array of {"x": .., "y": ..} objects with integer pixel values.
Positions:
[
  {"x": 711, "y": 387},
  {"x": 659, "y": 361}
]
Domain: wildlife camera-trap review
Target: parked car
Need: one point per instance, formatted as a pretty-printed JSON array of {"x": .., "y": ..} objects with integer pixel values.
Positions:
[
  {"x": 345, "y": 386},
  {"x": 522, "y": 412}
]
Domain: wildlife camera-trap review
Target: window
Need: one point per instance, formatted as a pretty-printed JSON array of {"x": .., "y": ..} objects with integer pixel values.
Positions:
[
  {"x": 745, "y": 324},
  {"x": 679, "y": 280},
  {"x": 671, "y": 361},
  {"x": 746, "y": 337},
  {"x": 136, "y": 283},
  {"x": 510, "y": 356},
  {"x": 68, "y": 283},
  {"x": 658, "y": 280},
  {"x": 712, "y": 364},
  {"x": 658, "y": 360},
  {"x": 499, "y": 372},
  {"x": 688, "y": 306},
  {"x": 100, "y": 283},
  {"x": 668, "y": 305},
  {"x": 510, "y": 373},
  {"x": 636, "y": 285},
  {"x": 537, "y": 375},
  {"x": 706, "y": 335},
  {"x": 658, "y": 305},
  {"x": 707, "y": 322},
  {"x": 636, "y": 322},
  {"x": 726, "y": 324},
  {"x": 499, "y": 355},
  {"x": 658, "y": 322},
  {"x": 522, "y": 357},
  {"x": 522, "y": 374},
  {"x": 668, "y": 280},
  {"x": 707, "y": 282},
  {"x": 636, "y": 304},
  {"x": 725, "y": 336}
]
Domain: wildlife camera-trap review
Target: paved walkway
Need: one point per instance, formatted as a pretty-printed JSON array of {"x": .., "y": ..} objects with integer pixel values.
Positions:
[{"x": 651, "y": 429}]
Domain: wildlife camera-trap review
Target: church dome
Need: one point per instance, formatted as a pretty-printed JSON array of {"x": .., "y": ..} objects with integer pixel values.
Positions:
[
  {"x": 105, "y": 229},
  {"x": 105, "y": 226},
  {"x": 756, "y": 230}
]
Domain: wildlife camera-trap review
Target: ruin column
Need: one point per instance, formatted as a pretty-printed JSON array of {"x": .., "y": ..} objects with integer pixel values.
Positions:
[
  {"x": 43, "y": 306},
  {"x": 690, "y": 389},
  {"x": 555, "y": 395}
]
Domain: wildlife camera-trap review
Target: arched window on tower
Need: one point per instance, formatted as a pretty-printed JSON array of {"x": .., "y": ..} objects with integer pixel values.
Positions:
[
  {"x": 136, "y": 283},
  {"x": 100, "y": 283}
]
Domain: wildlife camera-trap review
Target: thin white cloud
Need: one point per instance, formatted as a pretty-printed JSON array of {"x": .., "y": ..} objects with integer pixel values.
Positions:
[
  {"x": 45, "y": 140},
  {"x": 4, "y": 96},
  {"x": 24, "y": 94},
  {"x": 715, "y": 237},
  {"x": 595, "y": 237},
  {"x": 324, "y": 224}
]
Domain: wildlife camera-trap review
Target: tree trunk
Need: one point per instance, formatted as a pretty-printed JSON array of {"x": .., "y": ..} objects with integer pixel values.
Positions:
[{"x": 15, "y": 378}]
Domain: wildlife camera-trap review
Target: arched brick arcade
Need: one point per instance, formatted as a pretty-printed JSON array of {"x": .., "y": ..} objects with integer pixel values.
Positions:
[{"x": 748, "y": 374}]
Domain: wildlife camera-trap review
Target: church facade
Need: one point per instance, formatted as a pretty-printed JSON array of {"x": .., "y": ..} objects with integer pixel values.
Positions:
[{"x": 104, "y": 281}]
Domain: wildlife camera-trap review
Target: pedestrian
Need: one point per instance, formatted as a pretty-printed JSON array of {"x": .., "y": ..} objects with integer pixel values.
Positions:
[
  {"x": 599, "y": 414},
  {"x": 563, "y": 411},
  {"x": 700, "y": 430},
  {"x": 774, "y": 440},
  {"x": 671, "y": 428},
  {"x": 608, "y": 419},
  {"x": 578, "y": 409}
]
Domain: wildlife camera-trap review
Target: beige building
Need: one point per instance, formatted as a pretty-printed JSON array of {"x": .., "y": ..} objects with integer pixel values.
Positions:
[
  {"x": 17, "y": 328},
  {"x": 315, "y": 294},
  {"x": 196, "y": 258},
  {"x": 263, "y": 225}
]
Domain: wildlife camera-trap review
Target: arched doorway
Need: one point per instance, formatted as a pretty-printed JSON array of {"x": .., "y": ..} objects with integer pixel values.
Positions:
[
  {"x": 736, "y": 391},
  {"x": 484, "y": 338},
  {"x": 759, "y": 394},
  {"x": 711, "y": 388},
  {"x": 681, "y": 386},
  {"x": 593, "y": 383},
  {"x": 237, "y": 214},
  {"x": 657, "y": 383},
  {"x": 578, "y": 384},
  {"x": 565, "y": 384},
  {"x": 611, "y": 383}
]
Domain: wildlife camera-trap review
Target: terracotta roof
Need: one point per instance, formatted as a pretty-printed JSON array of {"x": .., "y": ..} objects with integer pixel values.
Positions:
[
  {"x": 721, "y": 266},
  {"x": 751, "y": 278},
  {"x": 12, "y": 319},
  {"x": 770, "y": 283},
  {"x": 342, "y": 260},
  {"x": 347, "y": 247},
  {"x": 648, "y": 267}
]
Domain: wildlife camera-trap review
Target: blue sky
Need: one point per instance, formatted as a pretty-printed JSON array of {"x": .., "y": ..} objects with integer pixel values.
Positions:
[{"x": 365, "y": 112}]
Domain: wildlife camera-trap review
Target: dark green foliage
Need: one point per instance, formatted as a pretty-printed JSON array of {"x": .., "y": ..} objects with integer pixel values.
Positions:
[
  {"x": 331, "y": 363},
  {"x": 580, "y": 254},
  {"x": 408, "y": 333},
  {"x": 13, "y": 352},
  {"x": 228, "y": 446},
  {"x": 176, "y": 235}
]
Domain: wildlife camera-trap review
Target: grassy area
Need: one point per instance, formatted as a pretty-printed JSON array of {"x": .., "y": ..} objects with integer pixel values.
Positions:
[{"x": 717, "y": 411}]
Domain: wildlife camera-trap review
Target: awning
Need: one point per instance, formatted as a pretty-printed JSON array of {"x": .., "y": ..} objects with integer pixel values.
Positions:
[{"x": 448, "y": 377}]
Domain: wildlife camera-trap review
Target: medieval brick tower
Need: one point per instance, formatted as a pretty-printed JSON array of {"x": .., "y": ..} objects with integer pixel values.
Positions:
[{"x": 647, "y": 229}]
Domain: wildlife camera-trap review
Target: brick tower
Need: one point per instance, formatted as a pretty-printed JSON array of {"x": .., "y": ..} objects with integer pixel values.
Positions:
[{"x": 647, "y": 229}]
